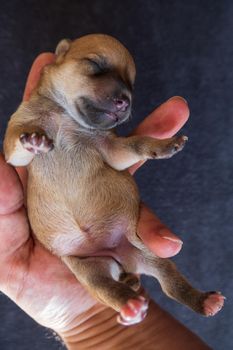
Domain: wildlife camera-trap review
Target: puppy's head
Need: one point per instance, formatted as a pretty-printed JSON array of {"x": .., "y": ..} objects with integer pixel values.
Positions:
[{"x": 93, "y": 79}]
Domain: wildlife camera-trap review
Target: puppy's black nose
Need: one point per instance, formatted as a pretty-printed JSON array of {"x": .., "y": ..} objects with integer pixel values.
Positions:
[{"x": 121, "y": 103}]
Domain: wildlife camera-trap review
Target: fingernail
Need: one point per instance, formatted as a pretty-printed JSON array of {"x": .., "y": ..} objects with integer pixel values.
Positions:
[
  {"x": 176, "y": 240},
  {"x": 179, "y": 97}
]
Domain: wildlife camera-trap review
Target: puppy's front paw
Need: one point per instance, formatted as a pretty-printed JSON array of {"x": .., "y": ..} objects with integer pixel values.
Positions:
[
  {"x": 179, "y": 143},
  {"x": 36, "y": 143},
  {"x": 213, "y": 303},
  {"x": 170, "y": 147},
  {"x": 133, "y": 312}
]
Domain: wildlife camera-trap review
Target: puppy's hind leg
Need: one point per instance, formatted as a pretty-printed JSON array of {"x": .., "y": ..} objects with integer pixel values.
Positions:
[
  {"x": 176, "y": 286},
  {"x": 101, "y": 276}
]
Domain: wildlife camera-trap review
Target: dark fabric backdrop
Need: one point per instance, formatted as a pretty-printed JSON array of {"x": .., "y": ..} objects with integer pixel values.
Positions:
[{"x": 181, "y": 48}]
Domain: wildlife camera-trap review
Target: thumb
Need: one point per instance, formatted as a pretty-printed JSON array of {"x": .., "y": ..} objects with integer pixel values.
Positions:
[{"x": 156, "y": 236}]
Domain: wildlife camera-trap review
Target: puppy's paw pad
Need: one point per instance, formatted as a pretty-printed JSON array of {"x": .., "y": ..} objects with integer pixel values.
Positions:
[
  {"x": 36, "y": 143},
  {"x": 213, "y": 303},
  {"x": 133, "y": 312}
]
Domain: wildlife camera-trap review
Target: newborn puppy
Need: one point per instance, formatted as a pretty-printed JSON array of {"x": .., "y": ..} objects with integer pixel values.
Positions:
[{"x": 83, "y": 204}]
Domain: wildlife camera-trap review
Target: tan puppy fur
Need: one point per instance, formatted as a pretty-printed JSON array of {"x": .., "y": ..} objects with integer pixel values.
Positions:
[{"x": 83, "y": 204}]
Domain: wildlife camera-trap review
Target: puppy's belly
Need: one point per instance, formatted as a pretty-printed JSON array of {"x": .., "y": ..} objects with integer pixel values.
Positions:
[
  {"x": 81, "y": 243},
  {"x": 63, "y": 236},
  {"x": 79, "y": 232},
  {"x": 80, "y": 214}
]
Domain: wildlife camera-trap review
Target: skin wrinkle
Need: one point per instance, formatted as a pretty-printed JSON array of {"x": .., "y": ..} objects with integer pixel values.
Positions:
[
  {"x": 22, "y": 265},
  {"x": 83, "y": 322},
  {"x": 82, "y": 337},
  {"x": 102, "y": 340},
  {"x": 110, "y": 336},
  {"x": 24, "y": 277}
]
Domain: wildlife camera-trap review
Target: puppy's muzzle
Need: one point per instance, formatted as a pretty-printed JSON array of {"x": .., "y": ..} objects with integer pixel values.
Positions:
[{"x": 106, "y": 113}]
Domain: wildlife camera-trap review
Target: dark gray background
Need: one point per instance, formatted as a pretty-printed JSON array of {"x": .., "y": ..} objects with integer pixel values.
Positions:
[{"x": 181, "y": 48}]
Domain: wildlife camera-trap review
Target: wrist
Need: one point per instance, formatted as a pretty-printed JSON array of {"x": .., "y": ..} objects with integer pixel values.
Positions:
[
  {"x": 95, "y": 328},
  {"x": 98, "y": 329}
]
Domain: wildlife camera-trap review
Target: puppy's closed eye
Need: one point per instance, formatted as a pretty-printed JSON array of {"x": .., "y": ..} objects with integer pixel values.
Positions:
[{"x": 98, "y": 65}]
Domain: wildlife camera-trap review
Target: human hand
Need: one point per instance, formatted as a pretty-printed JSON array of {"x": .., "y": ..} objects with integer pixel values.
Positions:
[{"x": 35, "y": 279}]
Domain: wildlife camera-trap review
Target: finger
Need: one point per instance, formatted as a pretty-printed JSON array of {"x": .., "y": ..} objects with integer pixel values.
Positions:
[
  {"x": 166, "y": 120},
  {"x": 34, "y": 74},
  {"x": 11, "y": 193},
  {"x": 33, "y": 78},
  {"x": 136, "y": 166},
  {"x": 23, "y": 176},
  {"x": 14, "y": 230},
  {"x": 156, "y": 236}
]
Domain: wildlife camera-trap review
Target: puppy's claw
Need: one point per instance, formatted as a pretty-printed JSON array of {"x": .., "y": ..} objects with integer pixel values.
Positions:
[
  {"x": 133, "y": 312},
  {"x": 36, "y": 143}
]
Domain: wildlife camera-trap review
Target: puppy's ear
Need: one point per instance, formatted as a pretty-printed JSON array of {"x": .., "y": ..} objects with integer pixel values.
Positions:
[{"x": 62, "y": 47}]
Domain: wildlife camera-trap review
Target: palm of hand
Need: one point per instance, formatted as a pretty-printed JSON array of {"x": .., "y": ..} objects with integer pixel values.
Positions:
[{"x": 31, "y": 276}]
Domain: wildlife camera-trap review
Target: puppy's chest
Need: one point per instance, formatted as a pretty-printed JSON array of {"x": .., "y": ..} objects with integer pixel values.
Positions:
[{"x": 78, "y": 150}]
